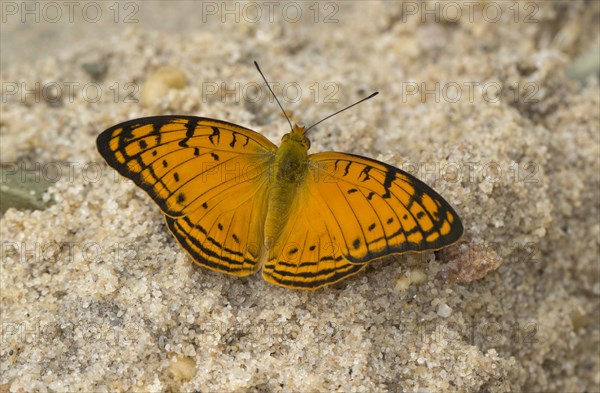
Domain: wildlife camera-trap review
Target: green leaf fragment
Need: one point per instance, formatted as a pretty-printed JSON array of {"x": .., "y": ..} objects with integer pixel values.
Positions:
[
  {"x": 585, "y": 65},
  {"x": 21, "y": 190}
]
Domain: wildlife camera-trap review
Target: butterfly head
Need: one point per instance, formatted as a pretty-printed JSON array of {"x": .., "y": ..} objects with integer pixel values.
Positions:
[{"x": 298, "y": 135}]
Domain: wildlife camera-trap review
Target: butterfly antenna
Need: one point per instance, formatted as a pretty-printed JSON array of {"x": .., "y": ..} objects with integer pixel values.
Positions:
[
  {"x": 271, "y": 90},
  {"x": 341, "y": 110}
]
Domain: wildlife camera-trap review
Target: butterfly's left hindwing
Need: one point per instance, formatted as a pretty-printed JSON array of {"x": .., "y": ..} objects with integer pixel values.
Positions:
[
  {"x": 351, "y": 210},
  {"x": 207, "y": 176}
]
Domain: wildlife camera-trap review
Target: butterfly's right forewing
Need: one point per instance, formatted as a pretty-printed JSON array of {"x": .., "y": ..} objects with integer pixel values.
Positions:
[{"x": 180, "y": 161}]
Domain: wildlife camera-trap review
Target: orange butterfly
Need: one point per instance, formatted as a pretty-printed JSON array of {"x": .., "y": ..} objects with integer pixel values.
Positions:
[{"x": 238, "y": 203}]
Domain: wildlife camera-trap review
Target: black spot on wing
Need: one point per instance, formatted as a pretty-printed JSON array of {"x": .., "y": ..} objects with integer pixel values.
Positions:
[
  {"x": 181, "y": 197},
  {"x": 390, "y": 176},
  {"x": 215, "y": 135},
  {"x": 371, "y": 227},
  {"x": 191, "y": 128},
  {"x": 176, "y": 176},
  {"x": 214, "y": 156},
  {"x": 352, "y": 191},
  {"x": 416, "y": 197},
  {"x": 142, "y": 144},
  {"x": 356, "y": 243},
  {"x": 347, "y": 168},
  {"x": 365, "y": 172},
  {"x": 232, "y": 144},
  {"x": 235, "y": 238}
]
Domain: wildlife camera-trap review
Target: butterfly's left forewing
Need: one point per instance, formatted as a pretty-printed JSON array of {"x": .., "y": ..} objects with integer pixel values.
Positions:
[
  {"x": 382, "y": 209},
  {"x": 351, "y": 210},
  {"x": 208, "y": 177}
]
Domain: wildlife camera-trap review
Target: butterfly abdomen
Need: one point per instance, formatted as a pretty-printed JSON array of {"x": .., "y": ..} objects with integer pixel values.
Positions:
[{"x": 288, "y": 173}]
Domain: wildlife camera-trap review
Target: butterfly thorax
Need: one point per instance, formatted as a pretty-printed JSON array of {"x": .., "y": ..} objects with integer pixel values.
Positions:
[{"x": 288, "y": 173}]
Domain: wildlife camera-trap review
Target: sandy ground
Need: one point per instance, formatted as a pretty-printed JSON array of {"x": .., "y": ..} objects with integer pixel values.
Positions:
[{"x": 97, "y": 296}]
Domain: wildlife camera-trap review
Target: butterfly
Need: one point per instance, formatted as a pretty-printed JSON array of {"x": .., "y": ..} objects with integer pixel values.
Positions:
[{"x": 237, "y": 203}]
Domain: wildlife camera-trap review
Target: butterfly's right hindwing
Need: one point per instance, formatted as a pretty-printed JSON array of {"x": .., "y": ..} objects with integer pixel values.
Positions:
[{"x": 226, "y": 233}]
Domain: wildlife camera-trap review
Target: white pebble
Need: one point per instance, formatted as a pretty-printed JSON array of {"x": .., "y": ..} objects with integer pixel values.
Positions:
[{"x": 444, "y": 310}]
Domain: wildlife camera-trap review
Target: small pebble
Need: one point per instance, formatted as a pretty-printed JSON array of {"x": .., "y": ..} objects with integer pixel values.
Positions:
[
  {"x": 444, "y": 310},
  {"x": 160, "y": 82}
]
